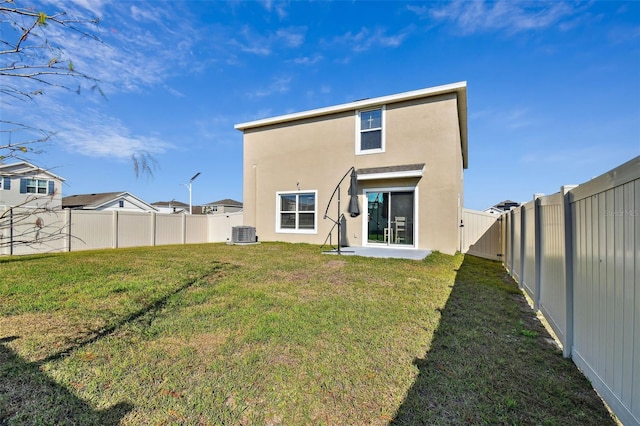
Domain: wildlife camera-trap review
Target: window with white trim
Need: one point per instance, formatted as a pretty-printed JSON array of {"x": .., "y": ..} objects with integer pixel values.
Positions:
[
  {"x": 370, "y": 131},
  {"x": 37, "y": 186},
  {"x": 296, "y": 212}
]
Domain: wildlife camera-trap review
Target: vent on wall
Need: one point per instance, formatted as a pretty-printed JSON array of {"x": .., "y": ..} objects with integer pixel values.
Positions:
[{"x": 243, "y": 234}]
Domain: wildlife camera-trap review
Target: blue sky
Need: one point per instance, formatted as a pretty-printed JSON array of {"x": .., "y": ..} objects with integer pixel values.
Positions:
[{"x": 553, "y": 87}]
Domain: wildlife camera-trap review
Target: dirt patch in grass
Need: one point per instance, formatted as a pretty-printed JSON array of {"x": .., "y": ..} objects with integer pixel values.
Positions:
[{"x": 38, "y": 335}]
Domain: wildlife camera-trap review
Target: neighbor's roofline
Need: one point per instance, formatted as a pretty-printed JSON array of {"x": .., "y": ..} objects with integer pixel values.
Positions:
[
  {"x": 459, "y": 88},
  {"x": 30, "y": 167}
]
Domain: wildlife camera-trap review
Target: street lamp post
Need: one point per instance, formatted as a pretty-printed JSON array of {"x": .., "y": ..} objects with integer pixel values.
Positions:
[{"x": 188, "y": 185}]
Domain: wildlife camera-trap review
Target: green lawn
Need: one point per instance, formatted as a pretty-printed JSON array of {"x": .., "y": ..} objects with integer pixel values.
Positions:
[{"x": 276, "y": 334}]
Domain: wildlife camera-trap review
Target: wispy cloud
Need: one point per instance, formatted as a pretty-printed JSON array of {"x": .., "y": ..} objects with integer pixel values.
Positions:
[
  {"x": 150, "y": 44},
  {"x": 82, "y": 128},
  {"x": 308, "y": 60},
  {"x": 97, "y": 135},
  {"x": 574, "y": 157},
  {"x": 278, "y": 7},
  {"x": 217, "y": 131},
  {"x": 278, "y": 85},
  {"x": 366, "y": 39},
  {"x": 513, "y": 118},
  {"x": 265, "y": 45},
  {"x": 510, "y": 16}
]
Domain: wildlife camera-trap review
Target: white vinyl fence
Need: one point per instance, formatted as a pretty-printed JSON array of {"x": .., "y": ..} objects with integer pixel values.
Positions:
[
  {"x": 481, "y": 234},
  {"x": 577, "y": 254},
  {"x": 23, "y": 232}
]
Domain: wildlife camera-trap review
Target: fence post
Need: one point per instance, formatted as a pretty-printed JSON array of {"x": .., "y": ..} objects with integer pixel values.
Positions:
[
  {"x": 153, "y": 229},
  {"x": 512, "y": 226},
  {"x": 67, "y": 218},
  {"x": 11, "y": 232},
  {"x": 568, "y": 269},
  {"x": 184, "y": 228},
  {"x": 115, "y": 229},
  {"x": 537, "y": 248},
  {"x": 523, "y": 244}
]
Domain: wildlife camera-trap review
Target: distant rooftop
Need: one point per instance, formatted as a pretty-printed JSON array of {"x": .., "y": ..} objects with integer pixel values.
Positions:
[{"x": 226, "y": 202}]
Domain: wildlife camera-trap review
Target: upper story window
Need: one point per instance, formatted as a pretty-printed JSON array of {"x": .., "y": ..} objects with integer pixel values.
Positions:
[
  {"x": 370, "y": 134},
  {"x": 36, "y": 186},
  {"x": 297, "y": 212}
]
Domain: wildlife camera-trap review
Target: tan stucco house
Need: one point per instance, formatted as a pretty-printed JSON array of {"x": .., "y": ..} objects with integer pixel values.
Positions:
[{"x": 409, "y": 151}]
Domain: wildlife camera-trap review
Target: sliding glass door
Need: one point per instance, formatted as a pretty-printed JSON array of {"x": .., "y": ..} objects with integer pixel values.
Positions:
[{"x": 391, "y": 217}]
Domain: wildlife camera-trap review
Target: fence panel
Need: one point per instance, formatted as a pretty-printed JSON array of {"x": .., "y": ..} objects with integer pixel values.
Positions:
[
  {"x": 91, "y": 230},
  {"x": 528, "y": 258},
  {"x": 33, "y": 231},
  {"x": 197, "y": 229},
  {"x": 553, "y": 285},
  {"x": 606, "y": 343},
  {"x": 481, "y": 234},
  {"x": 586, "y": 253},
  {"x": 220, "y": 226},
  {"x": 135, "y": 229},
  {"x": 169, "y": 229},
  {"x": 516, "y": 246}
]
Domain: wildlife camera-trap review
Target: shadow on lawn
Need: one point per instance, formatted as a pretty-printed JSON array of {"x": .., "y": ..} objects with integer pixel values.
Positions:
[
  {"x": 491, "y": 361},
  {"x": 146, "y": 315},
  {"x": 28, "y": 396}
]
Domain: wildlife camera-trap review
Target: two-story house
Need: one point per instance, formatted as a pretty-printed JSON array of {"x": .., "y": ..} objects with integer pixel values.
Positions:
[
  {"x": 26, "y": 185},
  {"x": 409, "y": 151},
  {"x": 222, "y": 207}
]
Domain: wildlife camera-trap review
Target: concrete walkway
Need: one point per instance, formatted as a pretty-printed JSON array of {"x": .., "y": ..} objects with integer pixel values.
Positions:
[{"x": 383, "y": 252}]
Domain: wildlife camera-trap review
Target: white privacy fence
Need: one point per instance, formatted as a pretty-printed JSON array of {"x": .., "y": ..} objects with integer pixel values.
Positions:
[
  {"x": 481, "y": 234},
  {"x": 25, "y": 232},
  {"x": 577, "y": 255}
]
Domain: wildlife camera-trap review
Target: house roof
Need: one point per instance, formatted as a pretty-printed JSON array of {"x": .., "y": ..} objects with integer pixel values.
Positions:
[
  {"x": 225, "y": 202},
  {"x": 94, "y": 201},
  {"x": 506, "y": 203},
  {"x": 172, "y": 203},
  {"x": 24, "y": 168},
  {"x": 460, "y": 89}
]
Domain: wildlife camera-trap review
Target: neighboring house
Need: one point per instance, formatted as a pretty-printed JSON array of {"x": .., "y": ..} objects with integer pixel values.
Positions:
[
  {"x": 107, "y": 201},
  {"x": 24, "y": 184},
  {"x": 171, "y": 206},
  {"x": 493, "y": 210},
  {"x": 222, "y": 206},
  {"x": 502, "y": 207},
  {"x": 409, "y": 151}
]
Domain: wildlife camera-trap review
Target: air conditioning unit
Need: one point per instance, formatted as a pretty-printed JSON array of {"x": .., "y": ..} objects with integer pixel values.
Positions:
[{"x": 243, "y": 234}]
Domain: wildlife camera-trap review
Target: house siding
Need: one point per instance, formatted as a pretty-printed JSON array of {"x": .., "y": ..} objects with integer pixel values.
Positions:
[
  {"x": 13, "y": 192},
  {"x": 314, "y": 153}
]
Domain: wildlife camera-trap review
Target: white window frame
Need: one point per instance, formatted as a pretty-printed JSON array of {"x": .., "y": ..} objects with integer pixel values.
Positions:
[
  {"x": 359, "y": 150},
  {"x": 280, "y": 230},
  {"x": 37, "y": 186}
]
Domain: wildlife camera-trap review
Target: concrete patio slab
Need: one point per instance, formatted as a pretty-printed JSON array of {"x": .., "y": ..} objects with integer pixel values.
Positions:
[{"x": 382, "y": 252}]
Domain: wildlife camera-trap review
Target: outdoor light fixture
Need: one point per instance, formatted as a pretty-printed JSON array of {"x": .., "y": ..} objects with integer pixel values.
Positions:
[{"x": 188, "y": 185}]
